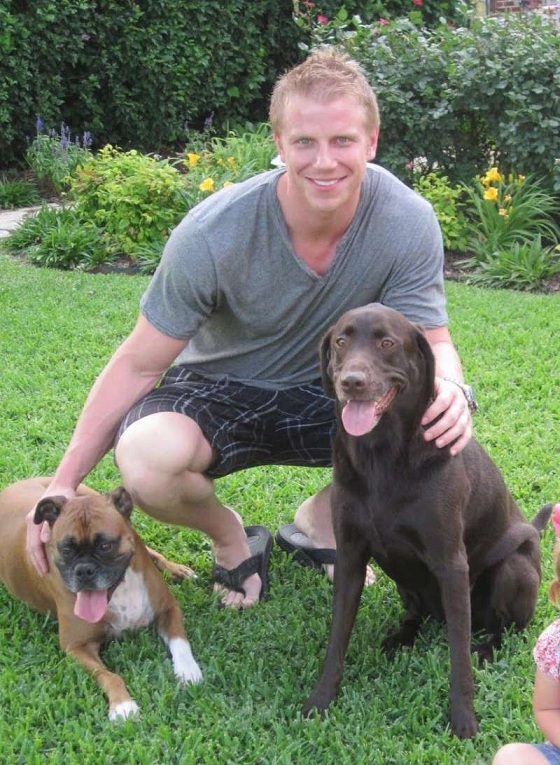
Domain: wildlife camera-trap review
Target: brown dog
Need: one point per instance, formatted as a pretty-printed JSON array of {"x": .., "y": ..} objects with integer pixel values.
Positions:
[
  {"x": 445, "y": 529},
  {"x": 101, "y": 579}
]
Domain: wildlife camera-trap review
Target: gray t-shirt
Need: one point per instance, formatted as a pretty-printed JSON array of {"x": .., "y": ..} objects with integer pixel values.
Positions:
[{"x": 230, "y": 281}]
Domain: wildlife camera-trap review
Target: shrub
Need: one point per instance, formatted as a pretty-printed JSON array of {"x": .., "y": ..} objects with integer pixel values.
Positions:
[
  {"x": 135, "y": 199},
  {"x": 16, "y": 193},
  {"x": 54, "y": 157},
  {"x": 463, "y": 97},
  {"x": 523, "y": 266},
  {"x": 446, "y": 201},
  {"x": 506, "y": 211}
]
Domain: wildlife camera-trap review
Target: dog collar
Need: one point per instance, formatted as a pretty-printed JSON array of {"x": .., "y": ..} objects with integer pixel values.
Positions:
[{"x": 468, "y": 393}]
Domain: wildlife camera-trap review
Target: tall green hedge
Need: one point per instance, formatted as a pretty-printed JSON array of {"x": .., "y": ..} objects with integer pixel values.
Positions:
[{"x": 136, "y": 73}]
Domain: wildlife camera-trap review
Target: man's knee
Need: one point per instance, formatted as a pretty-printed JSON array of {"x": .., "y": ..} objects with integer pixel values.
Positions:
[{"x": 164, "y": 444}]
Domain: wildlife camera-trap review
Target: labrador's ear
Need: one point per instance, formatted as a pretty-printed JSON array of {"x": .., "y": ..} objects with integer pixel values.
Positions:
[
  {"x": 430, "y": 362},
  {"x": 326, "y": 364}
]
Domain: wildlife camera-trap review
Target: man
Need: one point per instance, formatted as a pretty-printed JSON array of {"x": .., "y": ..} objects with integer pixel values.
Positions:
[{"x": 248, "y": 283}]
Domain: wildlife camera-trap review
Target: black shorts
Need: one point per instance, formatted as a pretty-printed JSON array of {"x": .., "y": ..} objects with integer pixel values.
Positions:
[{"x": 247, "y": 426}]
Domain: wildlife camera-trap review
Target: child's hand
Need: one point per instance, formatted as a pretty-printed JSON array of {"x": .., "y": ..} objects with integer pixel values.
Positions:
[{"x": 556, "y": 519}]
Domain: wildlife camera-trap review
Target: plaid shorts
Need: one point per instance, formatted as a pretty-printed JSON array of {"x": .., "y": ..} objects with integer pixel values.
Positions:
[
  {"x": 247, "y": 426},
  {"x": 551, "y": 752}
]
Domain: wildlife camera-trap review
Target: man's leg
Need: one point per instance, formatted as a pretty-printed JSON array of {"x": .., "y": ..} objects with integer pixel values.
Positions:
[
  {"x": 162, "y": 459},
  {"x": 314, "y": 518}
]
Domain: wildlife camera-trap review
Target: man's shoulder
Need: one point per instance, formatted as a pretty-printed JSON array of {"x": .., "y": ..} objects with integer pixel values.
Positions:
[{"x": 381, "y": 181}]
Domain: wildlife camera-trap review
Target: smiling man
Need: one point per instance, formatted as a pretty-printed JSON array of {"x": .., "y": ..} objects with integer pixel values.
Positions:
[{"x": 221, "y": 371}]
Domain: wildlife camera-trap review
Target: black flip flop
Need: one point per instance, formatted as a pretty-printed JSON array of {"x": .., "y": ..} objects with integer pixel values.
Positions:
[
  {"x": 296, "y": 543},
  {"x": 259, "y": 540}
]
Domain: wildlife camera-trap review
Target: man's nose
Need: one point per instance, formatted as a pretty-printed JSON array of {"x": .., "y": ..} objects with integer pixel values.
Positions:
[{"x": 325, "y": 156}]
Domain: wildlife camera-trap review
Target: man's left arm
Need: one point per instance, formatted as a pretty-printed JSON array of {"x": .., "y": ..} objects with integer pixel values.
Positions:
[{"x": 455, "y": 424}]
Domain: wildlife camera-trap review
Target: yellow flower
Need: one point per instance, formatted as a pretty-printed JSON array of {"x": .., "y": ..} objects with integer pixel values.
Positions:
[
  {"x": 228, "y": 183},
  {"x": 193, "y": 159},
  {"x": 507, "y": 198},
  {"x": 503, "y": 212},
  {"x": 207, "y": 185},
  {"x": 491, "y": 194},
  {"x": 231, "y": 162},
  {"x": 520, "y": 178},
  {"x": 492, "y": 176}
]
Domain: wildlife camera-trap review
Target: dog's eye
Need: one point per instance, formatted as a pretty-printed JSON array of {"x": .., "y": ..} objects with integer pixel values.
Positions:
[
  {"x": 386, "y": 343},
  {"x": 106, "y": 547},
  {"x": 340, "y": 342}
]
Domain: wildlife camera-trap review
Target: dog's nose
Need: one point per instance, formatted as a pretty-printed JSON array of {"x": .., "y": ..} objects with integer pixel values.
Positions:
[
  {"x": 84, "y": 571},
  {"x": 353, "y": 381}
]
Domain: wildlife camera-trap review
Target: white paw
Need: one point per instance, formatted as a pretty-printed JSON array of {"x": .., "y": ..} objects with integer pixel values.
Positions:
[
  {"x": 184, "y": 665},
  {"x": 123, "y": 710}
]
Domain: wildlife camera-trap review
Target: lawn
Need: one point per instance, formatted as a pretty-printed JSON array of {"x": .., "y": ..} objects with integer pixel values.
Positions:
[{"x": 58, "y": 329}]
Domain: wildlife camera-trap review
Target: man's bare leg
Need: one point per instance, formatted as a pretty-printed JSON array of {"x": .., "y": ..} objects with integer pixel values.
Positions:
[
  {"x": 162, "y": 459},
  {"x": 313, "y": 518}
]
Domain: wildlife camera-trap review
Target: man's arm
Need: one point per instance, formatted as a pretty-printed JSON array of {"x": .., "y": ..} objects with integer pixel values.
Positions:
[
  {"x": 133, "y": 370},
  {"x": 455, "y": 423}
]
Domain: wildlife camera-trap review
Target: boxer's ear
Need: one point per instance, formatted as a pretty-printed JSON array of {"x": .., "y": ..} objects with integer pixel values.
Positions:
[
  {"x": 48, "y": 509},
  {"x": 122, "y": 501}
]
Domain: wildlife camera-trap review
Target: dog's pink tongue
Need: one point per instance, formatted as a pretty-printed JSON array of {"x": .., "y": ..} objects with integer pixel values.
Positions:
[
  {"x": 359, "y": 417},
  {"x": 91, "y": 605}
]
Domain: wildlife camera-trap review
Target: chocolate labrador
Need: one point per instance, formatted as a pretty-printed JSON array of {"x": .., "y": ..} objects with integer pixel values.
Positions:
[{"x": 445, "y": 529}]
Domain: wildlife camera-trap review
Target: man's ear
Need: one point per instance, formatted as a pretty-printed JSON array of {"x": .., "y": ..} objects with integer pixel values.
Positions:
[
  {"x": 372, "y": 148},
  {"x": 279, "y": 145}
]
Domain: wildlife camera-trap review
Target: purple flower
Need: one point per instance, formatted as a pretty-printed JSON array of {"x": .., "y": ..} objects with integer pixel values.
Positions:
[{"x": 39, "y": 124}]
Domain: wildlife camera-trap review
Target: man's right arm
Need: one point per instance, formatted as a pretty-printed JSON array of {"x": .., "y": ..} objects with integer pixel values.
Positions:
[{"x": 134, "y": 369}]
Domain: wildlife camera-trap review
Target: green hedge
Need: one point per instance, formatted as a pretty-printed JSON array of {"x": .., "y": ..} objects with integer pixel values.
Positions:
[
  {"x": 137, "y": 73},
  {"x": 466, "y": 97}
]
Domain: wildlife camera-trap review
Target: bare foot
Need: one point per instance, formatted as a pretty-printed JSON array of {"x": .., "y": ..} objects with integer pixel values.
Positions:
[{"x": 230, "y": 555}]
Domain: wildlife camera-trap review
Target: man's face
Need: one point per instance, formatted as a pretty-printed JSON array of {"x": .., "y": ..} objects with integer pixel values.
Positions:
[{"x": 325, "y": 146}]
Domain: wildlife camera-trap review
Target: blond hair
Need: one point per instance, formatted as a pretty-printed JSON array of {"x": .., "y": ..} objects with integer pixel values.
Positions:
[{"x": 327, "y": 73}]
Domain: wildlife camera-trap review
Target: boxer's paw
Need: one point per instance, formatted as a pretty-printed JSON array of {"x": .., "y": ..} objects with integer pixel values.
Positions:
[
  {"x": 184, "y": 665},
  {"x": 124, "y": 710}
]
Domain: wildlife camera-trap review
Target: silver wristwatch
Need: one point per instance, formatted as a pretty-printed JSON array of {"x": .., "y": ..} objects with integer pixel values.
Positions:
[{"x": 468, "y": 392}]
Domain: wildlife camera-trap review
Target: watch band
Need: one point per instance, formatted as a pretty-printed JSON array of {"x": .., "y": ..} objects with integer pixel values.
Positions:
[{"x": 467, "y": 392}]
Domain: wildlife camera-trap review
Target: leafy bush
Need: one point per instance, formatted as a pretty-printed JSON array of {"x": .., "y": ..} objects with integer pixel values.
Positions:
[
  {"x": 462, "y": 97},
  {"x": 506, "y": 211},
  {"x": 446, "y": 201},
  {"x": 53, "y": 157},
  {"x": 523, "y": 266},
  {"x": 16, "y": 192},
  {"x": 56, "y": 237},
  {"x": 135, "y": 199}
]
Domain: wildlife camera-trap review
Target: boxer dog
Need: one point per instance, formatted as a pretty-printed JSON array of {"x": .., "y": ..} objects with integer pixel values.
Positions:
[{"x": 102, "y": 579}]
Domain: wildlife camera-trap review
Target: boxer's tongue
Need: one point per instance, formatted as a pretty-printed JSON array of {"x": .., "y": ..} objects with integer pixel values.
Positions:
[
  {"x": 359, "y": 417},
  {"x": 91, "y": 605}
]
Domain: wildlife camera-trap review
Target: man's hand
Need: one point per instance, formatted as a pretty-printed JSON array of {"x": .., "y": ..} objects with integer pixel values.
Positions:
[
  {"x": 38, "y": 534},
  {"x": 454, "y": 426}
]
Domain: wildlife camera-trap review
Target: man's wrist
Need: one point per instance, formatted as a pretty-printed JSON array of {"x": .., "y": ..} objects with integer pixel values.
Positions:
[{"x": 467, "y": 392}]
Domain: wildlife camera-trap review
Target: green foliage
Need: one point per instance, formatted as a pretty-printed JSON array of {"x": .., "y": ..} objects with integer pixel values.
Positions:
[
  {"x": 15, "y": 192},
  {"x": 506, "y": 210},
  {"x": 54, "y": 157},
  {"x": 219, "y": 162},
  {"x": 134, "y": 198},
  {"x": 460, "y": 96},
  {"x": 446, "y": 201},
  {"x": 523, "y": 266},
  {"x": 33, "y": 229}
]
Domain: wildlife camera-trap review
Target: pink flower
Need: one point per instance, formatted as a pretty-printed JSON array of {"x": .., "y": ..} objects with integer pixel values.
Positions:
[
  {"x": 383, "y": 22},
  {"x": 322, "y": 20},
  {"x": 417, "y": 2}
]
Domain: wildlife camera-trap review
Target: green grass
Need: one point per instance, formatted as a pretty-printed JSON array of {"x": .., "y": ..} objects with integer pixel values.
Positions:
[{"x": 58, "y": 329}]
